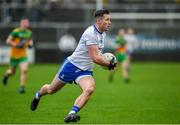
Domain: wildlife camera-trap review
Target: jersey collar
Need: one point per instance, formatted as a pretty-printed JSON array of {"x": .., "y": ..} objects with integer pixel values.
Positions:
[{"x": 97, "y": 29}]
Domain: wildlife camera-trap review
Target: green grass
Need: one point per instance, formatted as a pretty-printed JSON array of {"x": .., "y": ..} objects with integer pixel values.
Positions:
[{"x": 153, "y": 96}]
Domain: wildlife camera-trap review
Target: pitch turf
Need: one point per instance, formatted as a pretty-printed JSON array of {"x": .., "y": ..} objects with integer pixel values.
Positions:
[{"x": 152, "y": 96}]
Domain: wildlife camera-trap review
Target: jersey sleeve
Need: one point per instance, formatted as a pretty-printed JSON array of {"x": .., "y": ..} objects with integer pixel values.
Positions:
[
  {"x": 31, "y": 35},
  {"x": 14, "y": 33},
  {"x": 120, "y": 41},
  {"x": 91, "y": 39}
]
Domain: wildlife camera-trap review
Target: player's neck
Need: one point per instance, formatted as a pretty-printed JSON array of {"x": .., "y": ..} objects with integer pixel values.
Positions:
[{"x": 22, "y": 28}]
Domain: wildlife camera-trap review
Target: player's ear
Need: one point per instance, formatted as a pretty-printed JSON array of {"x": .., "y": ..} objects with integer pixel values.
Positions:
[{"x": 98, "y": 19}]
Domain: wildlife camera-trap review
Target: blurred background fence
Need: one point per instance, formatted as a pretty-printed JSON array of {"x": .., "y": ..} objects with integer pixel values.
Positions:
[{"x": 156, "y": 24}]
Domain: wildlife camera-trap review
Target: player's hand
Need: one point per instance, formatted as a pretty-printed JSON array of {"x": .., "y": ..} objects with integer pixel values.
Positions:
[
  {"x": 112, "y": 65},
  {"x": 30, "y": 46},
  {"x": 21, "y": 44}
]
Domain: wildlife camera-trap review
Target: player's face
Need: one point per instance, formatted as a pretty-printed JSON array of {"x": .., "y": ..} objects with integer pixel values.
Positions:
[
  {"x": 24, "y": 23},
  {"x": 121, "y": 32},
  {"x": 106, "y": 22}
]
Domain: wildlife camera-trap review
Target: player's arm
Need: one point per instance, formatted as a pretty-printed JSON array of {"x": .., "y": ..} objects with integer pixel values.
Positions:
[
  {"x": 30, "y": 43},
  {"x": 10, "y": 41},
  {"x": 98, "y": 59}
]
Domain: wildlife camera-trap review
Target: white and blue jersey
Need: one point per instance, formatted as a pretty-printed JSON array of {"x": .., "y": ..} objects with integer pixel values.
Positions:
[{"x": 80, "y": 63}]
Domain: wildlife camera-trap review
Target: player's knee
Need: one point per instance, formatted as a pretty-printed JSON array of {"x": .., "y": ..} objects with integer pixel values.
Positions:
[
  {"x": 89, "y": 91},
  {"x": 24, "y": 71},
  {"x": 11, "y": 71}
]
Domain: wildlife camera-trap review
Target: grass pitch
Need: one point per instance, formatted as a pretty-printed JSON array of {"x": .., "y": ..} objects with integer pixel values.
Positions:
[{"x": 152, "y": 96}]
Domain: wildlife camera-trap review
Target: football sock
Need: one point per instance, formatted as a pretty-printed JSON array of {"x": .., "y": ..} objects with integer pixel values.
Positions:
[
  {"x": 110, "y": 78},
  {"x": 37, "y": 95},
  {"x": 5, "y": 79},
  {"x": 126, "y": 80},
  {"x": 22, "y": 89},
  {"x": 74, "y": 110}
]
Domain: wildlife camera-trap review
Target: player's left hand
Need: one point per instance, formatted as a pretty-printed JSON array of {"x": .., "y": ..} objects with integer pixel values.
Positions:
[{"x": 21, "y": 44}]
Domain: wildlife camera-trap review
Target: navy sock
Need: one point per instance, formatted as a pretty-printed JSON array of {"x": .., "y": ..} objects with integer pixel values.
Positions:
[{"x": 74, "y": 110}]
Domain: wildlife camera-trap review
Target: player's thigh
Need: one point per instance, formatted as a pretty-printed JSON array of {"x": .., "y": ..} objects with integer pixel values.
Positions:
[
  {"x": 125, "y": 63},
  {"x": 86, "y": 82},
  {"x": 13, "y": 65},
  {"x": 56, "y": 84},
  {"x": 24, "y": 66}
]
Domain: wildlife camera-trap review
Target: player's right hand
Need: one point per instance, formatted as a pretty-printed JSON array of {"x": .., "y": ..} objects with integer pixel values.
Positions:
[{"x": 112, "y": 65}]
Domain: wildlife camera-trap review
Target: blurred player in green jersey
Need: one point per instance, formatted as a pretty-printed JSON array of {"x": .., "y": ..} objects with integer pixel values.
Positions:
[
  {"x": 121, "y": 55},
  {"x": 19, "y": 40}
]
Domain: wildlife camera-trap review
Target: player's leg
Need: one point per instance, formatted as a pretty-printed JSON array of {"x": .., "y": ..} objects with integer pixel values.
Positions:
[
  {"x": 87, "y": 86},
  {"x": 129, "y": 58},
  {"x": 9, "y": 72},
  {"x": 111, "y": 73},
  {"x": 55, "y": 85},
  {"x": 111, "y": 76},
  {"x": 23, "y": 75},
  {"x": 125, "y": 72}
]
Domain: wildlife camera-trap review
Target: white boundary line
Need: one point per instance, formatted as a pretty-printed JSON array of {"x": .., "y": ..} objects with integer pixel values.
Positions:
[
  {"x": 145, "y": 16},
  {"x": 89, "y": 124}
]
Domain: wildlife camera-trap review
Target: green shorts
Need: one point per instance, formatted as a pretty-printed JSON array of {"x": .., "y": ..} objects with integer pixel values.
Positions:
[
  {"x": 14, "y": 62},
  {"x": 121, "y": 56}
]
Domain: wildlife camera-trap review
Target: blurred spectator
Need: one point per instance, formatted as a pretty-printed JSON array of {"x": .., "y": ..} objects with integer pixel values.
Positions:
[
  {"x": 32, "y": 10},
  {"x": 132, "y": 42},
  {"x": 38, "y": 10},
  {"x": 6, "y": 14},
  {"x": 54, "y": 6},
  {"x": 43, "y": 9}
]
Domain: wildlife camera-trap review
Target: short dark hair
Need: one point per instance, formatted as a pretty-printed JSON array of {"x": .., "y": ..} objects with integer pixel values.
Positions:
[
  {"x": 100, "y": 13},
  {"x": 24, "y": 18}
]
